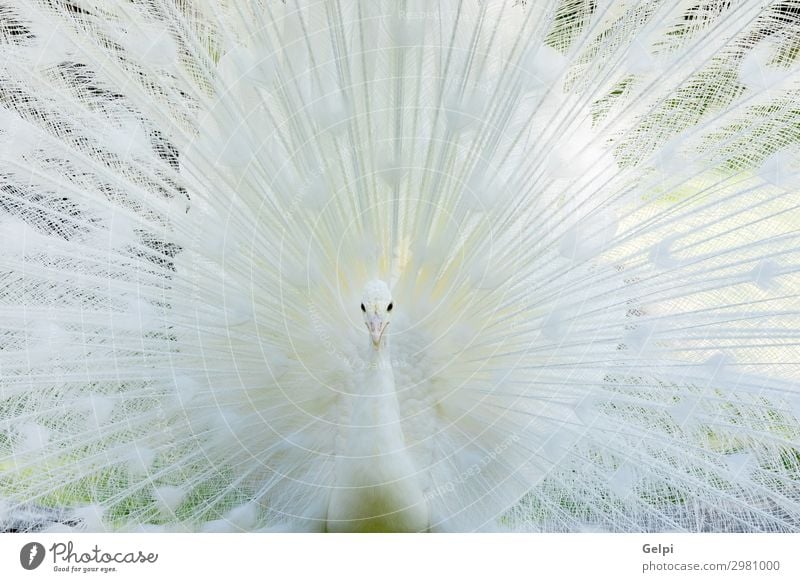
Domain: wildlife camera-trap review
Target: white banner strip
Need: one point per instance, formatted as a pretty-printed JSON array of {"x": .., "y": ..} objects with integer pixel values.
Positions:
[{"x": 351, "y": 558}]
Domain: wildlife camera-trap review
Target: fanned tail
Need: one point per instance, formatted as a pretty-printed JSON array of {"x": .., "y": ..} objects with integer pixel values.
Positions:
[{"x": 586, "y": 212}]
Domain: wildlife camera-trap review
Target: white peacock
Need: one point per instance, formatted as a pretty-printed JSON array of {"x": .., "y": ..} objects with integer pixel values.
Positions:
[{"x": 408, "y": 266}]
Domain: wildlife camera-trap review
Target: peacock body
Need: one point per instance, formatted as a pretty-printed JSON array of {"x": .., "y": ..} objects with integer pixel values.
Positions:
[{"x": 399, "y": 266}]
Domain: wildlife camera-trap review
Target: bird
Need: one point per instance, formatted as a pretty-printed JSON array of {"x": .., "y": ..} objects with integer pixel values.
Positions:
[{"x": 373, "y": 266}]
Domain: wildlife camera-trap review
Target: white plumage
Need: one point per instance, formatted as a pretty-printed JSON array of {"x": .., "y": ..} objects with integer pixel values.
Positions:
[{"x": 569, "y": 228}]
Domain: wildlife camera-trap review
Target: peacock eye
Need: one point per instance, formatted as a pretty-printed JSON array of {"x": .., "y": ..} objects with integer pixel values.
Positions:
[
  {"x": 389, "y": 308},
  {"x": 364, "y": 309}
]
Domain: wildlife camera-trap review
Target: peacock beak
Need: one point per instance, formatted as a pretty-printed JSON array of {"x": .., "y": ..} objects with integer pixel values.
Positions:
[{"x": 376, "y": 326}]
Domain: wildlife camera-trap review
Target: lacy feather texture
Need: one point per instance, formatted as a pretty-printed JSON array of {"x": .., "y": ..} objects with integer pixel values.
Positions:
[{"x": 359, "y": 265}]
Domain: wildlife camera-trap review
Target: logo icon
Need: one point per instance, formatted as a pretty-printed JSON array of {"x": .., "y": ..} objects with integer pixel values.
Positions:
[{"x": 31, "y": 555}]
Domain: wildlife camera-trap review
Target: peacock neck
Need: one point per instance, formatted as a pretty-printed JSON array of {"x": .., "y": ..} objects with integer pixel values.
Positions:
[
  {"x": 376, "y": 486},
  {"x": 375, "y": 414}
]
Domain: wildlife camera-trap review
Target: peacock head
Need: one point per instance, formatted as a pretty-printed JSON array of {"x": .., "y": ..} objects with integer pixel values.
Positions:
[{"x": 376, "y": 309}]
